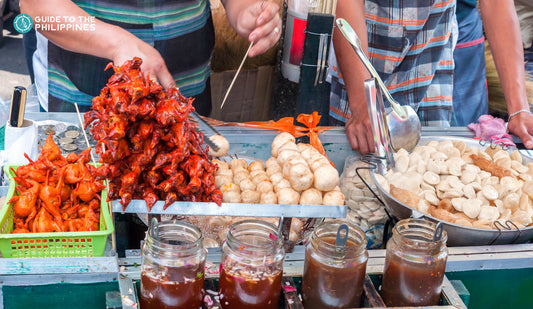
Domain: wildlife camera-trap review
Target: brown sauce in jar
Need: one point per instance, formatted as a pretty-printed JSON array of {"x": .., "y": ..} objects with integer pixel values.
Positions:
[
  {"x": 181, "y": 288},
  {"x": 332, "y": 285},
  {"x": 408, "y": 283},
  {"x": 248, "y": 291}
]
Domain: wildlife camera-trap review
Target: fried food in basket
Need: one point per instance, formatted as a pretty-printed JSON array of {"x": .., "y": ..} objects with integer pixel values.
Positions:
[{"x": 56, "y": 194}]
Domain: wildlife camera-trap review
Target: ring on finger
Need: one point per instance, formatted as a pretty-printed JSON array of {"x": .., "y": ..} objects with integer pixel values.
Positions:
[{"x": 276, "y": 30}]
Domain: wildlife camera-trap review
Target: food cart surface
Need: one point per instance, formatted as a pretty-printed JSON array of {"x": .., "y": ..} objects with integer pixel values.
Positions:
[{"x": 83, "y": 282}]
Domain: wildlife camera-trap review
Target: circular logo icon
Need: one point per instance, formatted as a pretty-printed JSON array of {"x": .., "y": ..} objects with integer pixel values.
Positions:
[{"x": 23, "y": 23}]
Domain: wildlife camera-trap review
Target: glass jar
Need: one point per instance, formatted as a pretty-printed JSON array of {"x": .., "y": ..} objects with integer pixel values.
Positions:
[
  {"x": 252, "y": 266},
  {"x": 414, "y": 264},
  {"x": 173, "y": 264},
  {"x": 333, "y": 276}
]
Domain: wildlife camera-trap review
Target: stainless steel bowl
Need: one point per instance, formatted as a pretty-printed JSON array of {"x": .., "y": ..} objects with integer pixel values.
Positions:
[{"x": 458, "y": 235}]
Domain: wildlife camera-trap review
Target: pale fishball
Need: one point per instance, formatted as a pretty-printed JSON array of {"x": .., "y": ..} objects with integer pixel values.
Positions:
[
  {"x": 311, "y": 196},
  {"x": 304, "y": 146},
  {"x": 334, "y": 198},
  {"x": 260, "y": 178},
  {"x": 300, "y": 177},
  {"x": 269, "y": 198},
  {"x": 318, "y": 163},
  {"x": 222, "y": 143},
  {"x": 234, "y": 163},
  {"x": 271, "y": 162},
  {"x": 288, "y": 196},
  {"x": 276, "y": 178},
  {"x": 290, "y": 163},
  {"x": 285, "y": 155},
  {"x": 265, "y": 186},
  {"x": 250, "y": 196},
  {"x": 273, "y": 169},
  {"x": 308, "y": 153},
  {"x": 240, "y": 176},
  {"x": 239, "y": 169},
  {"x": 326, "y": 178},
  {"x": 256, "y": 165},
  {"x": 225, "y": 172},
  {"x": 258, "y": 172},
  {"x": 230, "y": 187},
  {"x": 221, "y": 180},
  {"x": 284, "y": 183},
  {"x": 281, "y": 139},
  {"x": 231, "y": 196},
  {"x": 287, "y": 146},
  {"x": 247, "y": 184}
]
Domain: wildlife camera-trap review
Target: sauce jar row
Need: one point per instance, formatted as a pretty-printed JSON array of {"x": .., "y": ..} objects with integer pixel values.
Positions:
[{"x": 251, "y": 266}]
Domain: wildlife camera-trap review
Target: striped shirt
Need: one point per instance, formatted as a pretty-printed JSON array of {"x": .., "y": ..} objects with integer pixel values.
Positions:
[
  {"x": 181, "y": 30},
  {"x": 410, "y": 43}
]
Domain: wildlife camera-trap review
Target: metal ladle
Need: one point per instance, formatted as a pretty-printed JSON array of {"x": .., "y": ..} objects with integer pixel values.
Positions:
[{"x": 403, "y": 122}]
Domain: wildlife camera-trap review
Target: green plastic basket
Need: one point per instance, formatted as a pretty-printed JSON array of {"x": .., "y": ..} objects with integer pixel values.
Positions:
[{"x": 60, "y": 244}]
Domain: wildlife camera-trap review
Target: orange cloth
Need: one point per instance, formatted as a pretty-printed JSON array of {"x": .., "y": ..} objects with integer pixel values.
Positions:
[{"x": 286, "y": 124}]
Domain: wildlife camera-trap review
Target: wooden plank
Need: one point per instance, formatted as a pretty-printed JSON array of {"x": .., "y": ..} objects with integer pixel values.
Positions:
[
  {"x": 371, "y": 295},
  {"x": 128, "y": 292}
]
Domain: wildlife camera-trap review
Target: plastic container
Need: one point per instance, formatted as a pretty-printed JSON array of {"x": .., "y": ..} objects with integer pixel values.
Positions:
[
  {"x": 333, "y": 275},
  {"x": 173, "y": 266},
  {"x": 252, "y": 266},
  {"x": 60, "y": 244},
  {"x": 414, "y": 264}
]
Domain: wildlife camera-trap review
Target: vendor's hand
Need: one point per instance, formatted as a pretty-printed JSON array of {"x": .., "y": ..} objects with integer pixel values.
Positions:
[
  {"x": 521, "y": 125},
  {"x": 153, "y": 63},
  {"x": 260, "y": 22},
  {"x": 359, "y": 133}
]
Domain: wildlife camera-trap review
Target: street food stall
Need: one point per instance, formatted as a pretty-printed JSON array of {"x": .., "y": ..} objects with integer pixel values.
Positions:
[
  {"x": 284, "y": 215},
  {"x": 109, "y": 279}
]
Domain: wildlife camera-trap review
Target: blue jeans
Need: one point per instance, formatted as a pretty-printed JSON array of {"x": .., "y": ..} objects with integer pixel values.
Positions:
[
  {"x": 528, "y": 57},
  {"x": 470, "y": 97}
]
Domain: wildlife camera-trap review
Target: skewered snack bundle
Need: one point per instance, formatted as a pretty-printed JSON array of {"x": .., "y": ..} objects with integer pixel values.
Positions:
[{"x": 148, "y": 148}]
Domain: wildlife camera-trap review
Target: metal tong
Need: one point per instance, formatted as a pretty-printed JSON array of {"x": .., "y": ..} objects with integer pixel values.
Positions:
[
  {"x": 382, "y": 140},
  {"x": 403, "y": 122},
  {"x": 207, "y": 129}
]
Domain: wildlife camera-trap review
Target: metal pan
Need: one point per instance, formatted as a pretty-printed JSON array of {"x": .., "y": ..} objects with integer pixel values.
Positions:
[{"x": 458, "y": 235}]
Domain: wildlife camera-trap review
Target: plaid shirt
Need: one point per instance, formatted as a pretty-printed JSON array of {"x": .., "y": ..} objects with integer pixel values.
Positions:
[
  {"x": 181, "y": 30},
  {"x": 410, "y": 44}
]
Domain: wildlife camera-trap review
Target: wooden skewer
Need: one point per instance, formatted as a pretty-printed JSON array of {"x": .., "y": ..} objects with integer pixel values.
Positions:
[
  {"x": 113, "y": 239},
  {"x": 83, "y": 130},
  {"x": 236, "y": 74}
]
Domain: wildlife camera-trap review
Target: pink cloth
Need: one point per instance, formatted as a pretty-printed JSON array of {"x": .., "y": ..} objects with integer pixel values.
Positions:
[{"x": 490, "y": 128}]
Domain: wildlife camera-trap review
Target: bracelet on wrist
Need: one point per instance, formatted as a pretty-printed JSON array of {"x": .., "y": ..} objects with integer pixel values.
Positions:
[{"x": 518, "y": 112}]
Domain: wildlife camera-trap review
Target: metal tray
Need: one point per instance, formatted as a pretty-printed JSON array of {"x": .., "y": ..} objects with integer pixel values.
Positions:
[
  {"x": 235, "y": 209},
  {"x": 458, "y": 235}
]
